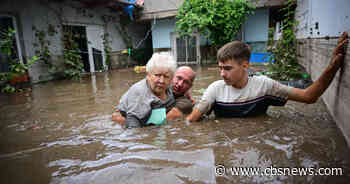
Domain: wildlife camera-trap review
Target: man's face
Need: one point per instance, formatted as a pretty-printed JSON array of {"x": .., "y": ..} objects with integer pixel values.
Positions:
[
  {"x": 182, "y": 81},
  {"x": 159, "y": 80},
  {"x": 232, "y": 72}
]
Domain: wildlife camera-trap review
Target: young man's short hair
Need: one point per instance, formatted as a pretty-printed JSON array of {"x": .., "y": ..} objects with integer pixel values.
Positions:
[{"x": 235, "y": 50}]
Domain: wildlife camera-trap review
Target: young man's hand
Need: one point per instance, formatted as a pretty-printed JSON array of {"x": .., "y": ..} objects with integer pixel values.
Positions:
[
  {"x": 339, "y": 51},
  {"x": 313, "y": 92}
]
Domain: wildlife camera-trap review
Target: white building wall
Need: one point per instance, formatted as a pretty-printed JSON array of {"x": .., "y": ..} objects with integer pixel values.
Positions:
[
  {"x": 161, "y": 33},
  {"x": 256, "y": 28},
  {"x": 332, "y": 17}
]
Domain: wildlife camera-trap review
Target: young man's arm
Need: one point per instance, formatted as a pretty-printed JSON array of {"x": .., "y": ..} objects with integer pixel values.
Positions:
[
  {"x": 202, "y": 107},
  {"x": 313, "y": 92},
  {"x": 195, "y": 115},
  {"x": 205, "y": 103}
]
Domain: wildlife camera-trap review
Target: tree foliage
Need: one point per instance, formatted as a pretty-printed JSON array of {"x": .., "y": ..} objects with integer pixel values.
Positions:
[{"x": 218, "y": 20}]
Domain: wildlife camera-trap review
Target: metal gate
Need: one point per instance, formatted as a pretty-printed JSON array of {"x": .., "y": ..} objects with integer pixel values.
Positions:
[{"x": 186, "y": 49}]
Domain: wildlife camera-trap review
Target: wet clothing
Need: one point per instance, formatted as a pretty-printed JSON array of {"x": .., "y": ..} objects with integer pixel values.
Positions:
[
  {"x": 137, "y": 104},
  {"x": 184, "y": 104},
  {"x": 254, "y": 99}
]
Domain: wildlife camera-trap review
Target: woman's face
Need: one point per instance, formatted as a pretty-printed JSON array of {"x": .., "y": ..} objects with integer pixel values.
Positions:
[{"x": 159, "y": 80}]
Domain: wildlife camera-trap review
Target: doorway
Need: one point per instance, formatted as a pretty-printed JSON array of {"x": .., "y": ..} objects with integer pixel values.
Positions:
[
  {"x": 90, "y": 45},
  {"x": 78, "y": 35}
]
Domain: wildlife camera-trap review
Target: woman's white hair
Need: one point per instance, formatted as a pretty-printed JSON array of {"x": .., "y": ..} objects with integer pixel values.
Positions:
[{"x": 161, "y": 61}]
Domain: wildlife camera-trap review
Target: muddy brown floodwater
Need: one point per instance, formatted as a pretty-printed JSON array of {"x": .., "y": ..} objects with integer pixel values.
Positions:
[{"x": 61, "y": 133}]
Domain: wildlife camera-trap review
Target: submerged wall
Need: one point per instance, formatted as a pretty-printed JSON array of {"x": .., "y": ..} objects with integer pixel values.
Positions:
[
  {"x": 315, "y": 55},
  {"x": 320, "y": 25}
]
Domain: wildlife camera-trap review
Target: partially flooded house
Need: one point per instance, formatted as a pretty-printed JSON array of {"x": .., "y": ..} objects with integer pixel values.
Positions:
[
  {"x": 105, "y": 29},
  {"x": 97, "y": 27},
  {"x": 196, "y": 49}
]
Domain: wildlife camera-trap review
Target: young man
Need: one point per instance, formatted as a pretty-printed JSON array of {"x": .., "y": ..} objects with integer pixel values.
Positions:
[
  {"x": 238, "y": 95},
  {"x": 181, "y": 83}
]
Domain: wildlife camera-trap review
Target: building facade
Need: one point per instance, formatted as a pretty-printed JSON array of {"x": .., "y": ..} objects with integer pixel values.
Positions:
[
  {"x": 196, "y": 49},
  {"x": 40, "y": 23}
]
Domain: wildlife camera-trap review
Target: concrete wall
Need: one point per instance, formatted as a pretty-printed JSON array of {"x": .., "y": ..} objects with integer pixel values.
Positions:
[
  {"x": 168, "y": 8},
  {"x": 162, "y": 30},
  {"x": 38, "y": 14},
  {"x": 321, "y": 18},
  {"x": 256, "y": 29},
  {"x": 315, "y": 55},
  {"x": 161, "y": 33},
  {"x": 160, "y": 9},
  {"x": 315, "y": 50}
]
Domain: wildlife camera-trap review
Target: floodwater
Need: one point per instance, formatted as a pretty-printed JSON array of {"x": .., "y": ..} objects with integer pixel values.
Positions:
[{"x": 61, "y": 133}]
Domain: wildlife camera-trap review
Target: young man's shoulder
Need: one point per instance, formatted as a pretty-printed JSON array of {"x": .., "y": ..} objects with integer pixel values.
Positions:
[
  {"x": 261, "y": 78},
  {"x": 217, "y": 83}
]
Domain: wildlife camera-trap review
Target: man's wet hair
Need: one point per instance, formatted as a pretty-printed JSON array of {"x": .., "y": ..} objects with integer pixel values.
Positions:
[{"x": 235, "y": 50}]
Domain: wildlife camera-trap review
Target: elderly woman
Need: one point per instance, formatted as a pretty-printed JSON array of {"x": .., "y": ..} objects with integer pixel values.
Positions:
[{"x": 148, "y": 101}]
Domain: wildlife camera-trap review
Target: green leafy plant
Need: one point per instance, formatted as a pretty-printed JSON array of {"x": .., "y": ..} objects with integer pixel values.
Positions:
[
  {"x": 74, "y": 66},
  {"x": 17, "y": 68},
  {"x": 218, "y": 20},
  {"x": 41, "y": 45},
  {"x": 283, "y": 65},
  {"x": 6, "y": 44},
  {"x": 107, "y": 48},
  {"x": 73, "y": 63},
  {"x": 8, "y": 89}
]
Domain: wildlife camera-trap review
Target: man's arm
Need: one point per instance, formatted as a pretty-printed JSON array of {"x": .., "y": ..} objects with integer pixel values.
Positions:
[
  {"x": 183, "y": 106},
  {"x": 195, "y": 115},
  {"x": 313, "y": 92},
  {"x": 174, "y": 113}
]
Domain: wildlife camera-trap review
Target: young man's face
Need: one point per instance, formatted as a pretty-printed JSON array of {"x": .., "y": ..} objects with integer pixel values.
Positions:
[
  {"x": 182, "y": 81},
  {"x": 233, "y": 73}
]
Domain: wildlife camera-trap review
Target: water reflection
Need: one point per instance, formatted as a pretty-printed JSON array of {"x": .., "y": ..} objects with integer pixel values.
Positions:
[{"x": 63, "y": 130}]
